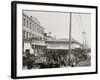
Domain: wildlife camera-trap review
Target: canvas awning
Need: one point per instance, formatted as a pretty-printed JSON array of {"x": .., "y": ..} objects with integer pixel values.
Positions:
[
  {"x": 39, "y": 43},
  {"x": 61, "y": 48}
]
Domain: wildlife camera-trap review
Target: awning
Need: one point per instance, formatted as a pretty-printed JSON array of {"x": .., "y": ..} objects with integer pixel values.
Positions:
[
  {"x": 39, "y": 43},
  {"x": 61, "y": 48}
]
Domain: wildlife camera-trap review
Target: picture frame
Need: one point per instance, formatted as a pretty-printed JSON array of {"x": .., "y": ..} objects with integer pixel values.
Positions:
[{"x": 48, "y": 51}]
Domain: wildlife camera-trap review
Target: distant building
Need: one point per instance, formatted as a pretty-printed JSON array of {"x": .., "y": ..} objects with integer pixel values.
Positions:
[{"x": 47, "y": 36}]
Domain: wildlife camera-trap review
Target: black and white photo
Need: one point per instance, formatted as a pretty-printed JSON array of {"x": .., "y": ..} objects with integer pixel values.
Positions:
[
  {"x": 53, "y": 39},
  {"x": 46, "y": 39}
]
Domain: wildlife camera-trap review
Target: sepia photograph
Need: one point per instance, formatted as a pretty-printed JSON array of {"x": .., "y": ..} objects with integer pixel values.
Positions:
[{"x": 53, "y": 39}]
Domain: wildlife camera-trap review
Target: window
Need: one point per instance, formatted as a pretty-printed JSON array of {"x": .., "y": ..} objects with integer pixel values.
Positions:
[
  {"x": 42, "y": 32},
  {"x": 27, "y": 23},
  {"x": 26, "y": 35},
  {"x": 30, "y": 25},
  {"x": 24, "y": 21},
  {"x": 30, "y": 35},
  {"x": 23, "y": 34},
  {"x": 37, "y": 29},
  {"x": 33, "y": 27}
]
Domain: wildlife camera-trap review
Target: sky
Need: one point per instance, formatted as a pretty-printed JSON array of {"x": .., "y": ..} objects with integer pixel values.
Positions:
[{"x": 58, "y": 24}]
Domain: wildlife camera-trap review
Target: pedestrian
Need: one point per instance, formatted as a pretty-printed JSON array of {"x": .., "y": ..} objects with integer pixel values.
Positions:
[{"x": 29, "y": 61}]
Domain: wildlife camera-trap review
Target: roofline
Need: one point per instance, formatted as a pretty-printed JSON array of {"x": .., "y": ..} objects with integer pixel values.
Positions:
[
  {"x": 32, "y": 20},
  {"x": 50, "y": 41}
]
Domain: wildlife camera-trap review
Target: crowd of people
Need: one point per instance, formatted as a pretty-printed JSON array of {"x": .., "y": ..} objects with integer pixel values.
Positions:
[{"x": 54, "y": 58}]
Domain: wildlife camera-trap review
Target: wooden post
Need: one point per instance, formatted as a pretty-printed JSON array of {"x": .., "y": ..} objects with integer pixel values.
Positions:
[{"x": 70, "y": 29}]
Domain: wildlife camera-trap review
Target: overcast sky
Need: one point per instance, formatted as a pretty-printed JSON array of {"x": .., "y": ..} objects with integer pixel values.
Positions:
[{"x": 58, "y": 24}]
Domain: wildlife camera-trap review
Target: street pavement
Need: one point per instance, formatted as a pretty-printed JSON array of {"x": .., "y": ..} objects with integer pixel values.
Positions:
[{"x": 84, "y": 63}]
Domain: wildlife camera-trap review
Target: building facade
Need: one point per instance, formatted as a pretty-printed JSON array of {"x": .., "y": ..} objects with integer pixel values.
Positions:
[
  {"x": 33, "y": 35},
  {"x": 32, "y": 28}
]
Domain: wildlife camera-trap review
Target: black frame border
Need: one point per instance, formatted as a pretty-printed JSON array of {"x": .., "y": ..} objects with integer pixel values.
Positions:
[{"x": 14, "y": 38}]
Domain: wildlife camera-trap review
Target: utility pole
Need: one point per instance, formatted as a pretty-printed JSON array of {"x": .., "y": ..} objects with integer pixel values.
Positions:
[
  {"x": 70, "y": 26},
  {"x": 84, "y": 40}
]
